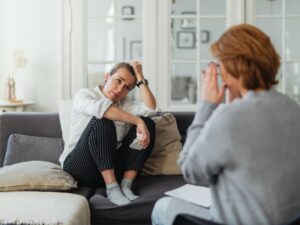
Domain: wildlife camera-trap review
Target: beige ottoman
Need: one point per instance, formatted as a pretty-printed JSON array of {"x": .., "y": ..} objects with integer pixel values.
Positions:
[{"x": 47, "y": 208}]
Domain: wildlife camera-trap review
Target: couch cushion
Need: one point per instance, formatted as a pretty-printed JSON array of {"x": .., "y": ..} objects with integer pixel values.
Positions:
[
  {"x": 21, "y": 148},
  {"x": 47, "y": 208},
  {"x": 149, "y": 188},
  {"x": 167, "y": 147},
  {"x": 35, "y": 175},
  {"x": 29, "y": 123}
]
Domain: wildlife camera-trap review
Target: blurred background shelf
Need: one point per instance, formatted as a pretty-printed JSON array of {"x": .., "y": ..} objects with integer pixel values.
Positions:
[{"x": 7, "y": 106}]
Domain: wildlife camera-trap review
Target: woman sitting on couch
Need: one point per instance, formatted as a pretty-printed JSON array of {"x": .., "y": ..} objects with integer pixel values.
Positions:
[{"x": 110, "y": 137}]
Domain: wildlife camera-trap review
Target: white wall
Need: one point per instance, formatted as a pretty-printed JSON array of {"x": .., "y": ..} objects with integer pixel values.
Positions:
[{"x": 32, "y": 26}]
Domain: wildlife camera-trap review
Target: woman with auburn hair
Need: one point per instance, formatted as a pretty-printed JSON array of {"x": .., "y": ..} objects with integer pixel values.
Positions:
[{"x": 246, "y": 151}]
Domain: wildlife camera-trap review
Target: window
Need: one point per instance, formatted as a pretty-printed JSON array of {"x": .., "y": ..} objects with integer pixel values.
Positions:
[
  {"x": 192, "y": 27},
  {"x": 113, "y": 33},
  {"x": 172, "y": 39},
  {"x": 280, "y": 19}
]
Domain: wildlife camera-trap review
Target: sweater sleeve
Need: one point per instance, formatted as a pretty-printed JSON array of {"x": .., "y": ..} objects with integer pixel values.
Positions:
[
  {"x": 203, "y": 154},
  {"x": 87, "y": 102}
]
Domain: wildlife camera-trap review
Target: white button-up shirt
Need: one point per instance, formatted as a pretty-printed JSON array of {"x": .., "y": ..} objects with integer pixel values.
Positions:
[{"x": 90, "y": 102}]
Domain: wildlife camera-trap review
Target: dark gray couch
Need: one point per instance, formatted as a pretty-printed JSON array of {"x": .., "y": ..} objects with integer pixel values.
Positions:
[{"x": 149, "y": 188}]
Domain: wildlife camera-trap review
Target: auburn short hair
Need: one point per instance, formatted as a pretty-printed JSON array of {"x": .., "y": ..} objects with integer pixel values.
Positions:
[{"x": 246, "y": 52}]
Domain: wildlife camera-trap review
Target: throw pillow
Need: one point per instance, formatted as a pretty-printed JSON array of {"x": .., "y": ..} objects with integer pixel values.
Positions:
[
  {"x": 21, "y": 148},
  {"x": 167, "y": 147},
  {"x": 35, "y": 175},
  {"x": 64, "y": 111}
]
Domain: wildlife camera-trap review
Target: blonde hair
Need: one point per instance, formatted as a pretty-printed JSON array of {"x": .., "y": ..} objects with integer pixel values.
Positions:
[{"x": 247, "y": 53}]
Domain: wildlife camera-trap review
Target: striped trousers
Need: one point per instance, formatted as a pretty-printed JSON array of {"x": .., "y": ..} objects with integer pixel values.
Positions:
[{"x": 97, "y": 150}]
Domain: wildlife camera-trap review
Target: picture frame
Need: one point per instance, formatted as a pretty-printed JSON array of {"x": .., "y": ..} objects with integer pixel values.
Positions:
[
  {"x": 186, "y": 39},
  {"x": 188, "y": 23},
  {"x": 136, "y": 49},
  {"x": 204, "y": 36},
  {"x": 127, "y": 10}
]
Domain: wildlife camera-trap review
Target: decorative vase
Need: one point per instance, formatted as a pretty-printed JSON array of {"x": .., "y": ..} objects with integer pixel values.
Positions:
[{"x": 10, "y": 89}]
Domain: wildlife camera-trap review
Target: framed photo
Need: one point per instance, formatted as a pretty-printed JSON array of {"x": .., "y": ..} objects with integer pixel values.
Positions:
[
  {"x": 188, "y": 23},
  {"x": 204, "y": 36},
  {"x": 186, "y": 39},
  {"x": 127, "y": 10},
  {"x": 136, "y": 50}
]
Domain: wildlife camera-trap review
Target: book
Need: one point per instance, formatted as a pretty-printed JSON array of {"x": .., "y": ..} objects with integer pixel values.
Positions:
[{"x": 192, "y": 193}]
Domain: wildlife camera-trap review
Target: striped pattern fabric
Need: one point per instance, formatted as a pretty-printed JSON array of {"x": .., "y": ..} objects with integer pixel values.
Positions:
[{"x": 97, "y": 150}]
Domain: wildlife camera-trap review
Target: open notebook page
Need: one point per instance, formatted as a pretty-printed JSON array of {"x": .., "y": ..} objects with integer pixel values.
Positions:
[{"x": 192, "y": 193}]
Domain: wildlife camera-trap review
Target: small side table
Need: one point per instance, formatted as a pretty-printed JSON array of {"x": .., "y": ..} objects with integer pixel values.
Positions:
[{"x": 6, "y": 106}]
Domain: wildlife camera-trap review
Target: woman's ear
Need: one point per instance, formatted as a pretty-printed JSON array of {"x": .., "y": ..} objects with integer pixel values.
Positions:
[{"x": 106, "y": 76}]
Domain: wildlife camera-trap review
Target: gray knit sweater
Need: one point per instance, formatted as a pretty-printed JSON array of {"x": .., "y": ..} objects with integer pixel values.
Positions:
[{"x": 248, "y": 152}]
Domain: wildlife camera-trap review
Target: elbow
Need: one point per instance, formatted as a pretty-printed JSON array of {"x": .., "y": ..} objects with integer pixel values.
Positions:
[
  {"x": 192, "y": 173},
  {"x": 195, "y": 178},
  {"x": 153, "y": 106}
]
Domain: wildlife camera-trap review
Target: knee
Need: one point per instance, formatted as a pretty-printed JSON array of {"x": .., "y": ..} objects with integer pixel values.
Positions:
[
  {"x": 102, "y": 123},
  {"x": 103, "y": 126},
  {"x": 160, "y": 210}
]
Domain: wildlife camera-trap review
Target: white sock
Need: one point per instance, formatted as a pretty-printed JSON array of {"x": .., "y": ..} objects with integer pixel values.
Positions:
[
  {"x": 115, "y": 195},
  {"x": 126, "y": 188}
]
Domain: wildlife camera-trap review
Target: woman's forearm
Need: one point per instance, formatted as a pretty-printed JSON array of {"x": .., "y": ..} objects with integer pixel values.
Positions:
[
  {"x": 115, "y": 113},
  {"x": 147, "y": 96}
]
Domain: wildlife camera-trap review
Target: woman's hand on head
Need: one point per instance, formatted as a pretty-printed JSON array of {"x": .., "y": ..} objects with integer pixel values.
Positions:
[
  {"x": 142, "y": 130},
  {"x": 138, "y": 69},
  {"x": 210, "y": 90}
]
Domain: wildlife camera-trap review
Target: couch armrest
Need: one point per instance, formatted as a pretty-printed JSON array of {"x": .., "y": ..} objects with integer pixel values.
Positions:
[
  {"x": 29, "y": 123},
  {"x": 191, "y": 220}
]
